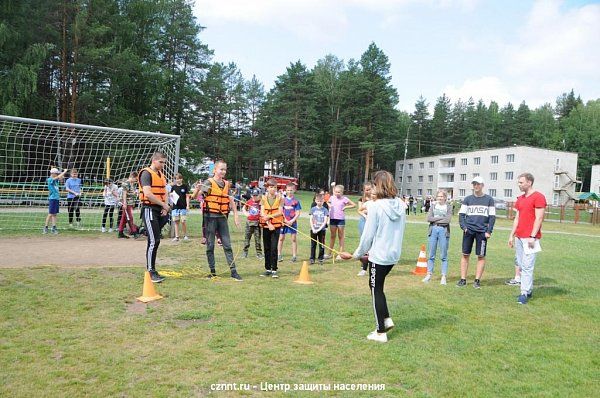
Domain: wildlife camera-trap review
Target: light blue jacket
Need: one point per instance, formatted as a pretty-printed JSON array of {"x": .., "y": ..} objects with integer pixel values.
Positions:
[{"x": 384, "y": 231}]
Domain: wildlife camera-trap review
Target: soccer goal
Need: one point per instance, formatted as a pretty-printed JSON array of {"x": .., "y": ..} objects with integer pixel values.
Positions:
[{"x": 30, "y": 148}]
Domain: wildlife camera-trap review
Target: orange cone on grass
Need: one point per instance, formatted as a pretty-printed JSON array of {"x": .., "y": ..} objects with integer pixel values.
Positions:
[
  {"x": 148, "y": 293},
  {"x": 421, "y": 268},
  {"x": 304, "y": 277}
]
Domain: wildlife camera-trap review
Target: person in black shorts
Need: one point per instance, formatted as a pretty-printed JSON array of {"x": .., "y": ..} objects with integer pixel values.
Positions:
[{"x": 477, "y": 216}]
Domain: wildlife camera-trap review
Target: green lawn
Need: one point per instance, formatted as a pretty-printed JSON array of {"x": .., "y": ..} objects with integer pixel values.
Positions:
[{"x": 71, "y": 332}]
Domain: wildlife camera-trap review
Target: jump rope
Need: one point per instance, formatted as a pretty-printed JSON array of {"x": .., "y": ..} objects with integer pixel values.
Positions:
[{"x": 197, "y": 272}]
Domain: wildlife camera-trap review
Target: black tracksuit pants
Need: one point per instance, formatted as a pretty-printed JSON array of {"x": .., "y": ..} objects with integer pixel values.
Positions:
[{"x": 154, "y": 222}]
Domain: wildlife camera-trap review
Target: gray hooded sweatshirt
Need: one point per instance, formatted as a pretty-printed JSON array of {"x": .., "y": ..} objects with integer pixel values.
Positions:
[{"x": 383, "y": 233}]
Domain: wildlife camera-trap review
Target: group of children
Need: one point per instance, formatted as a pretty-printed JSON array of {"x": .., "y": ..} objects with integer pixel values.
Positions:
[{"x": 275, "y": 216}]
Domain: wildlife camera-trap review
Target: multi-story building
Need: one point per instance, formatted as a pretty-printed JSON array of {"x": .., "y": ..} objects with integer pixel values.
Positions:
[{"x": 554, "y": 173}]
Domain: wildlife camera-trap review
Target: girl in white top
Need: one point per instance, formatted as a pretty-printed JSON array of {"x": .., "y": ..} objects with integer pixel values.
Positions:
[
  {"x": 110, "y": 194},
  {"x": 439, "y": 216}
]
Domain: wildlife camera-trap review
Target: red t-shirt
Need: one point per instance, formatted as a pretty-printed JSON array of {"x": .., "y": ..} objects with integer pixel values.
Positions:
[
  {"x": 253, "y": 210},
  {"x": 526, "y": 207}
]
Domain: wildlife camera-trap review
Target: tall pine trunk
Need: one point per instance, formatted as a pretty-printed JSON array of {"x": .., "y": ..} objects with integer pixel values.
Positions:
[{"x": 296, "y": 128}]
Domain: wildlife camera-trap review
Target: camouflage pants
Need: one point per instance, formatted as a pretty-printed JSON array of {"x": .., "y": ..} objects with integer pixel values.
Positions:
[{"x": 255, "y": 230}]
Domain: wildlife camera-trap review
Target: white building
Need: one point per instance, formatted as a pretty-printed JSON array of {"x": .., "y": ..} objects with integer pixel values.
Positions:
[
  {"x": 554, "y": 173},
  {"x": 595, "y": 180}
]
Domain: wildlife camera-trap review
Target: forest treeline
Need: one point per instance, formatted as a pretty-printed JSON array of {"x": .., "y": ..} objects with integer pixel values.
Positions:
[{"x": 141, "y": 64}]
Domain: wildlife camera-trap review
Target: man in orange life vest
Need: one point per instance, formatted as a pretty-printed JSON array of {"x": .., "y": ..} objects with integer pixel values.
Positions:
[
  {"x": 218, "y": 203},
  {"x": 155, "y": 208}
]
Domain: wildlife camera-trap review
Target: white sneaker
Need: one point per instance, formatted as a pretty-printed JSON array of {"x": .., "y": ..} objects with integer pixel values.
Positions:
[
  {"x": 186, "y": 238},
  {"x": 388, "y": 324},
  {"x": 443, "y": 280},
  {"x": 71, "y": 225},
  {"x": 378, "y": 337},
  {"x": 176, "y": 239},
  {"x": 110, "y": 230},
  {"x": 362, "y": 273},
  {"x": 427, "y": 278},
  {"x": 338, "y": 257},
  {"x": 327, "y": 256},
  {"x": 103, "y": 230}
]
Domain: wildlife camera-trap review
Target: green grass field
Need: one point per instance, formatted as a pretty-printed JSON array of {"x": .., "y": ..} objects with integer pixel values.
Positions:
[{"x": 78, "y": 332}]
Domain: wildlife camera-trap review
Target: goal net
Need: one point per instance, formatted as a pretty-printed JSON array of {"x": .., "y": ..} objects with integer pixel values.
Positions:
[{"x": 30, "y": 148}]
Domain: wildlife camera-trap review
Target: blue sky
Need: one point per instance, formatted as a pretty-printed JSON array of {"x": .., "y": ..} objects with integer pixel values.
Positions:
[{"x": 509, "y": 50}]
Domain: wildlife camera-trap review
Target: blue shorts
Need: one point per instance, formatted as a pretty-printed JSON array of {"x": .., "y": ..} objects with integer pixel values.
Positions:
[
  {"x": 337, "y": 223},
  {"x": 53, "y": 205},
  {"x": 179, "y": 214},
  {"x": 287, "y": 230},
  {"x": 480, "y": 243}
]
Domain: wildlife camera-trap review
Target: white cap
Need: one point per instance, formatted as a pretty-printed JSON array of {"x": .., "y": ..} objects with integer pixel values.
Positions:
[
  {"x": 477, "y": 180},
  {"x": 54, "y": 170}
]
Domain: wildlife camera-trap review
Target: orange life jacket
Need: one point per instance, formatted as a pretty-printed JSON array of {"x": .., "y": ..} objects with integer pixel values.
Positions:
[
  {"x": 271, "y": 209},
  {"x": 158, "y": 186},
  {"x": 217, "y": 201}
]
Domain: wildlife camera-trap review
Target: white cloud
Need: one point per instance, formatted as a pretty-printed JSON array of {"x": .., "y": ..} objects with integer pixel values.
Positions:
[
  {"x": 556, "y": 50},
  {"x": 316, "y": 20},
  {"x": 487, "y": 88},
  {"x": 310, "y": 19}
]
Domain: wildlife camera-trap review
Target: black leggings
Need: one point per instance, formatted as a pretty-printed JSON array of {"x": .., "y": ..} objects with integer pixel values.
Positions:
[
  {"x": 377, "y": 274},
  {"x": 108, "y": 211},
  {"x": 270, "y": 240},
  {"x": 154, "y": 222},
  {"x": 73, "y": 206}
]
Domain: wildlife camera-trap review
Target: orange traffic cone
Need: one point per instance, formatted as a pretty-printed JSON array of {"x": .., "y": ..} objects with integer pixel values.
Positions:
[
  {"x": 148, "y": 293},
  {"x": 421, "y": 268},
  {"x": 304, "y": 278}
]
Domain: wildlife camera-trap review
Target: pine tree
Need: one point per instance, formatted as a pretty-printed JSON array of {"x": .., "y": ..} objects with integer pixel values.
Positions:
[
  {"x": 440, "y": 125},
  {"x": 565, "y": 103},
  {"x": 523, "y": 126},
  {"x": 420, "y": 129}
]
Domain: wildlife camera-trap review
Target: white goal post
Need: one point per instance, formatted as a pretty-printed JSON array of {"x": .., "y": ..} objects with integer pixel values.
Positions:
[{"x": 30, "y": 148}]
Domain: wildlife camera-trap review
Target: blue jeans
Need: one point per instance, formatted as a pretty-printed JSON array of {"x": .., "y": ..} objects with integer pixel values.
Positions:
[
  {"x": 438, "y": 236},
  {"x": 361, "y": 225}
]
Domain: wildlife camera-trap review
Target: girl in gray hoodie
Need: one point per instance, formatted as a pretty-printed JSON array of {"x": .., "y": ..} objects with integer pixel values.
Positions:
[{"x": 382, "y": 239}]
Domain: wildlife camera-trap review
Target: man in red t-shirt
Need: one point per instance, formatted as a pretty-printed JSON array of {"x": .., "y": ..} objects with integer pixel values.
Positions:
[{"x": 527, "y": 229}]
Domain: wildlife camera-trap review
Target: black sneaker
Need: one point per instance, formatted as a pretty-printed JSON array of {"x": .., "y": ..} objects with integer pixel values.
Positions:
[
  {"x": 136, "y": 236},
  {"x": 123, "y": 236},
  {"x": 529, "y": 295},
  {"x": 212, "y": 274},
  {"x": 461, "y": 283},
  {"x": 236, "y": 276},
  {"x": 266, "y": 273},
  {"x": 274, "y": 274},
  {"x": 477, "y": 284},
  {"x": 312, "y": 261},
  {"x": 156, "y": 277}
]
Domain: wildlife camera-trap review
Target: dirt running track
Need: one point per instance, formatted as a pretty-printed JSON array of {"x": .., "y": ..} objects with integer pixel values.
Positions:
[{"x": 69, "y": 252}]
